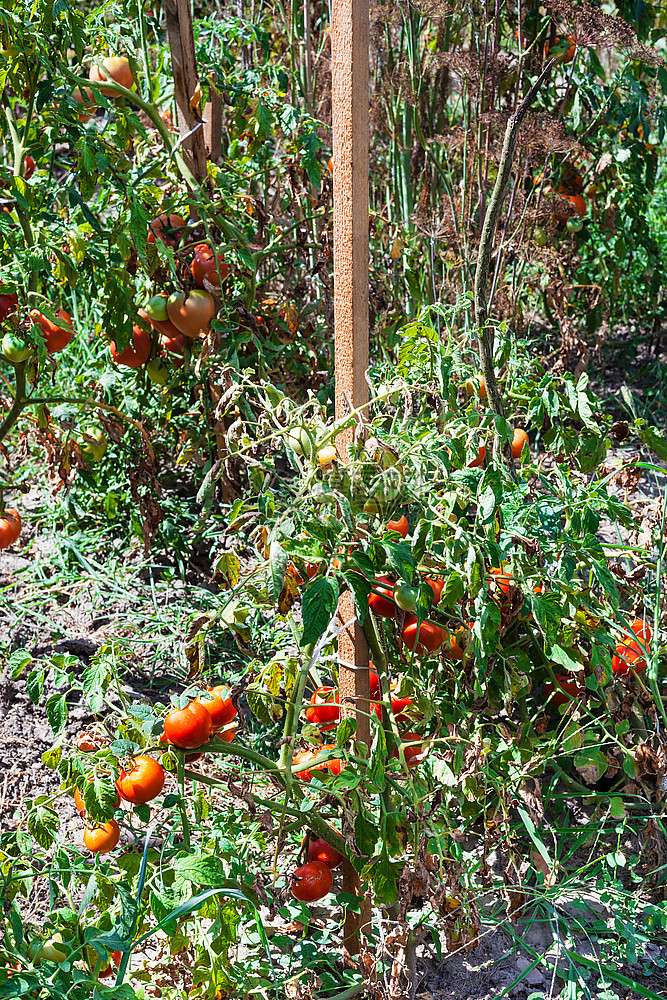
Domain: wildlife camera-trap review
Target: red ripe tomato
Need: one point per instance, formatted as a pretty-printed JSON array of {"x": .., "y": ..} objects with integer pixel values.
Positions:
[
  {"x": 311, "y": 882},
  {"x": 143, "y": 782},
  {"x": 135, "y": 354},
  {"x": 424, "y": 638},
  {"x": 437, "y": 585},
  {"x": 324, "y": 710},
  {"x": 374, "y": 685},
  {"x": 164, "y": 326},
  {"x": 188, "y": 727},
  {"x": 10, "y": 528},
  {"x": 203, "y": 266},
  {"x": 307, "y": 756},
  {"x": 28, "y": 167},
  {"x": 175, "y": 348},
  {"x": 81, "y": 805},
  {"x": 564, "y": 690},
  {"x": 319, "y": 850},
  {"x": 56, "y": 337},
  {"x": 218, "y": 703},
  {"x": 578, "y": 202},
  {"x": 401, "y": 525},
  {"x": 168, "y": 229},
  {"x": 193, "y": 314},
  {"x": 108, "y": 970},
  {"x": 630, "y": 654},
  {"x": 381, "y": 601},
  {"x": 567, "y": 54},
  {"x": 102, "y": 838},
  {"x": 502, "y": 579},
  {"x": 481, "y": 455},
  {"x": 8, "y": 304},
  {"x": 414, "y": 753},
  {"x": 330, "y": 164},
  {"x": 399, "y": 705}
]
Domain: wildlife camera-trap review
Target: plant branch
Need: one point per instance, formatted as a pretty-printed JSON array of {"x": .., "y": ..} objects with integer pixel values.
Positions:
[{"x": 481, "y": 303}]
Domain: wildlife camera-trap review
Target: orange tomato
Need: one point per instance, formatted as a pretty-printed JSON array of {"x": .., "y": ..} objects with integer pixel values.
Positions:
[
  {"x": 116, "y": 68},
  {"x": 565, "y": 689},
  {"x": 102, "y": 838},
  {"x": 56, "y": 336},
  {"x": 175, "y": 348},
  {"x": 631, "y": 653},
  {"x": 476, "y": 384},
  {"x": 578, "y": 202},
  {"x": 192, "y": 314},
  {"x": 568, "y": 55},
  {"x": 437, "y": 584},
  {"x": 166, "y": 228},
  {"x": 10, "y": 528},
  {"x": 401, "y": 526},
  {"x": 204, "y": 266},
  {"x": 520, "y": 438},
  {"x": 135, "y": 354},
  {"x": 476, "y": 462},
  {"x": 218, "y": 703},
  {"x": 413, "y": 749},
  {"x": 423, "y": 638},
  {"x": 87, "y": 101},
  {"x": 143, "y": 782},
  {"x": 502, "y": 579}
]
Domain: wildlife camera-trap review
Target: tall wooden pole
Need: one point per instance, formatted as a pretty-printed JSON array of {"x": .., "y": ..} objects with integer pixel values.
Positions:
[
  {"x": 350, "y": 112},
  {"x": 178, "y": 18}
]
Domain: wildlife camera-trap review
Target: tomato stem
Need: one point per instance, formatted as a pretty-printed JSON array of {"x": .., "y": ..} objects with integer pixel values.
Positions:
[
  {"x": 19, "y": 403},
  {"x": 181, "y": 801}
]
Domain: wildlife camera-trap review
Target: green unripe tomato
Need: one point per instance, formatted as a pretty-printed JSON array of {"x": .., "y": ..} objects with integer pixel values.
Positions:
[
  {"x": 48, "y": 951},
  {"x": 406, "y": 596},
  {"x": 574, "y": 225},
  {"x": 157, "y": 372},
  {"x": 95, "y": 443},
  {"x": 15, "y": 349},
  {"x": 299, "y": 441},
  {"x": 156, "y": 308},
  {"x": 540, "y": 237}
]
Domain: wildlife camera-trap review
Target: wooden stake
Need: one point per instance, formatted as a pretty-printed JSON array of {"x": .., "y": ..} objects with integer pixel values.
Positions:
[
  {"x": 350, "y": 112},
  {"x": 178, "y": 16}
]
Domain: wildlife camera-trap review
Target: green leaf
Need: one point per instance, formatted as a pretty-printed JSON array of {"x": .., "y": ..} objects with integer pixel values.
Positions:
[
  {"x": 43, "y": 824},
  {"x": 18, "y": 661},
  {"x": 35, "y": 685},
  {"x": 56, "y": 712},
  {"x": 654, "y": 439},
  {"x": 400, "y": 558},
  {"x": 453, "y": 591},
  {"x": 278, "y": 562},
  {"x": 263, "y": 705},
  {"x": 361, "y": 590},
  {"x": 319, "y": 604},
  {"x": 560, "y": 655}
]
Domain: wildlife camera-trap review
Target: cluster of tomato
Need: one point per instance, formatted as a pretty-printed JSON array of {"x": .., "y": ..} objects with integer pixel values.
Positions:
[
  {"x": 187, "y": 728},
  {"x": 314, "y": 880},
  {"x": 178, "y": 318},
  {"x": 209, "y": 715}
]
